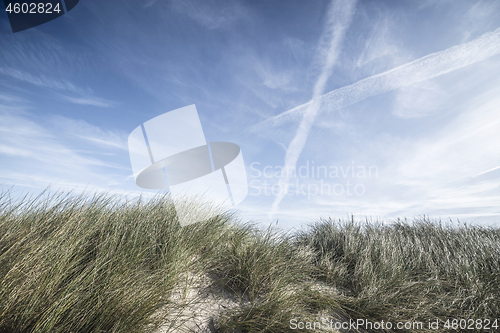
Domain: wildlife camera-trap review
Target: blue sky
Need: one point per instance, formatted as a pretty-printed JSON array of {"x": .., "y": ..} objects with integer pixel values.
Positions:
[{"x": 404, "y": 93}]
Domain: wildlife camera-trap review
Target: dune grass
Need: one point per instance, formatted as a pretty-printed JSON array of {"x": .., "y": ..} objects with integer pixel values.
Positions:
[
  {"x": 88, "y": 264},
  {"x": 99, "y": 264},
  {"x": 417, "y": 271}
]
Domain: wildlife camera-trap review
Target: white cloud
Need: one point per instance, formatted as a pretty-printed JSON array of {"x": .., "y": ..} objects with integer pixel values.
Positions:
[
  {"x": 419, "y": 100},
  {"x": 450, "y": 171},
  {"x": 463, "y": 148}
]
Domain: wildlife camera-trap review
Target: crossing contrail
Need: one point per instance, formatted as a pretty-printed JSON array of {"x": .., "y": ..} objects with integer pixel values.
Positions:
[
  {"x": 428, "y": 67},
  {"x": 339, "y": 19}
]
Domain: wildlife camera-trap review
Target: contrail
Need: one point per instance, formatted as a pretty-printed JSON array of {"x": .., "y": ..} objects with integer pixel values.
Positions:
[
  {"x": 339, "y": 19},
  {"x": 430, "y": 66}
]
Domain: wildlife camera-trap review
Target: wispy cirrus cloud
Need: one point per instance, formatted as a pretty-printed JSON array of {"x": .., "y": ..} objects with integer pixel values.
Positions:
[
  {"x": 419, "y": 99},
  {"x": 81, "y": 129},
  {"x": 212, "y": 14},
  {"x": 92, "y": 101},
  {"x": 451, "y": 170},
  {"x": 39, "y": 151},
  {"x": 382, "y": 50},
  {"x": 42, "y": 80},
  {"x": 276, "y": 79},
  {"x": 40, "y": 62},
  {"x": 78, "y": 95}
]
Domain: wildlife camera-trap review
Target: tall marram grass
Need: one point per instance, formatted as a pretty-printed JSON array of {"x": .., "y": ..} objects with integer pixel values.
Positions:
[
  {"x": 92, "y": 264},
  {"x": 101, "y": 264},
  {"x": 416, "y": 271}
]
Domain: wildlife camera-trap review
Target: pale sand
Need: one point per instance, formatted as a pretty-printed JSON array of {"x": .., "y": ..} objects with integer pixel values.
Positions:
[{"x": 196, "y": 309}]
